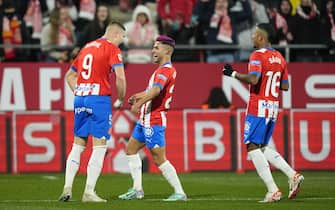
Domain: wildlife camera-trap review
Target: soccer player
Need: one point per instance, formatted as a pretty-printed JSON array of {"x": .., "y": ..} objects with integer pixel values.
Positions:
[
  {"x": 267, "y": 76},
  {"x": 149, "y": 131},
  {"x": 89, "y": 78}
]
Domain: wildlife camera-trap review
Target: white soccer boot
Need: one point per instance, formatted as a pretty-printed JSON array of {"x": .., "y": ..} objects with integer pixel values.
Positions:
[
  {"x": 92, "y": 197},
  {"x": 294, "y": 185},
  {"x": 66, "y": 195},
  {"x": 271, "y": 197}
]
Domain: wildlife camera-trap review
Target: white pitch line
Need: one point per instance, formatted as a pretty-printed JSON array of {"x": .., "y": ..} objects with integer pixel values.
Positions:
[{"x": 189, "y": 199}]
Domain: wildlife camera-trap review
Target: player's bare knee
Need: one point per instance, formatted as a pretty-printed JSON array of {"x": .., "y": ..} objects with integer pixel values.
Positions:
[
  {"x": 158, "y": 160},
  {"x": 130, "y": 150}
]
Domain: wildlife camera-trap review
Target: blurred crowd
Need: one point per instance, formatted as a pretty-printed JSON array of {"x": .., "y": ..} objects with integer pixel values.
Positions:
[{"x": 55, "y": 30}]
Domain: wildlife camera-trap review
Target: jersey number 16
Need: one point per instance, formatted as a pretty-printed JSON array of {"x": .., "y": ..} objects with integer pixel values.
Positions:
[{"x": 272, "y": 83}]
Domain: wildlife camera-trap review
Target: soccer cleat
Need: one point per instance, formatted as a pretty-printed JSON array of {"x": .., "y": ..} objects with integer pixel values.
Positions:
[
  {"x": 176, "y": 197},
  {"x": 92, "y": 197},
  {"x": 271, "y": 197},
  {"x": 66, "y": 195},
  {"x": 294, "y": 185},
  {"x": 132, "y": 194}
]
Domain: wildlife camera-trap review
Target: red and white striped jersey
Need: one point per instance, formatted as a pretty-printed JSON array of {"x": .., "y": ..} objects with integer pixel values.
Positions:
[
  {"x": 270, "y": 65},
  {"x": 94, "y": 65},
  {"x": 154, "y": 112}
]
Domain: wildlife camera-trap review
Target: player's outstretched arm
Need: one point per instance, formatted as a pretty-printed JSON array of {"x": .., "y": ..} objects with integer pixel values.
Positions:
[
  {"x": 71, "y": 79},
  {"x": 246, "y": 78},
  {"x": 132, "y": 99},
  {"x": 145, "y": 96},
  {"x": 120, "y": 83}
]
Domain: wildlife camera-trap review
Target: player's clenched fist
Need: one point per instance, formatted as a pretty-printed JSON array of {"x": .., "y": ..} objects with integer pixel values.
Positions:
[
  {"x": 228, "y": 70},
  {"x": 132, "y": 99},
  {"x": 117, "y": 104}
]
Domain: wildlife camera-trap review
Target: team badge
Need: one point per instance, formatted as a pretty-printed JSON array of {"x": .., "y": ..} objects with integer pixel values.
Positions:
[{"x": 148, "y": 132}]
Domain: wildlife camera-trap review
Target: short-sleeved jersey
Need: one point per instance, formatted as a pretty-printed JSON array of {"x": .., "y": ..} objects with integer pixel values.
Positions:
[
  {"x": 271, "y": 67},
  {"x": 154, "y": 112},
  {"x": 94, "y": 65}
]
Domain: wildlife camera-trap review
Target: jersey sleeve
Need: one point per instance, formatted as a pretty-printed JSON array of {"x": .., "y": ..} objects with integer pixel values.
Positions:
[
  {"x": 161, "y": 78},
  {"x": 115, "y": 58},
  {"x": 255, "y": 64},
  {"x": 284, "y": 78},
  {"x": 74, "y": 65}
]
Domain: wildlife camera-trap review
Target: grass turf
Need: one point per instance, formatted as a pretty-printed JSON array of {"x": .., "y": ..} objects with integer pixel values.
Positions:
[{"x": 219, "y": 190}]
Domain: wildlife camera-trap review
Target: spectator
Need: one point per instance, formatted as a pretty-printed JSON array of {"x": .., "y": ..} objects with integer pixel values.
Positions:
[
  {"x": 176, "y": 21},
  {"x": 285, "y": 10},
  {"x": 95, "y": 28},
  {"x": 308, "y": 23},
  {"x": 328, "y": 30},
  {"x": 70, "y": 4},
  {"x": 86, "y": 13},
  {"x": 220, "y": 32},
  {"x": 241, "y": 14},
  {"x": 141, "y": 33},
  {"x": 259, "y": 15},
  {"x": 217, "y": 99},
  {"x": 13, "y": 32},
  {"x": 121, "y": 12},
  {"x": 58, "y": 32},
  {"x": 22, "y": 6},
  {"x": 284, "y": 36},
  {"x": 203, "y": 11},
  {"x": 152, "y": 6},
  {"x": 295, "y": 4},
  {"x": 177, "y": 16},
  {"x": 33, "y": 16}
]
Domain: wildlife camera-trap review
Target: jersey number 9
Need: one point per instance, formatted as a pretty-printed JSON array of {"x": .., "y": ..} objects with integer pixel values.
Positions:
[{"x": 87, "y": 66}]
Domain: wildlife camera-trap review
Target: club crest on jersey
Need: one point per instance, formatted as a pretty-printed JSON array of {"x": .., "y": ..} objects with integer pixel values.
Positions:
[{"x": 148, "y": 132}]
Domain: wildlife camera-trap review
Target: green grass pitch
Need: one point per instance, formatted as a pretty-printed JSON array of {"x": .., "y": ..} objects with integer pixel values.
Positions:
[{"x": 219, "y": 190}]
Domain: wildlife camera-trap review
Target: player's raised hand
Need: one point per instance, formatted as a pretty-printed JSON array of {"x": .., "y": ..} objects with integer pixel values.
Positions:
[{"x": 228, "y": 70}]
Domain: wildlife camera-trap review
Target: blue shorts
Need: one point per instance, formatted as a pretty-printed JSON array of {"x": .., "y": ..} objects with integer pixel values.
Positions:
[
  {"x": 151, "y": 136},
  {"x": 258, "y": 130},
  {"x": 92, "y": 116}
]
